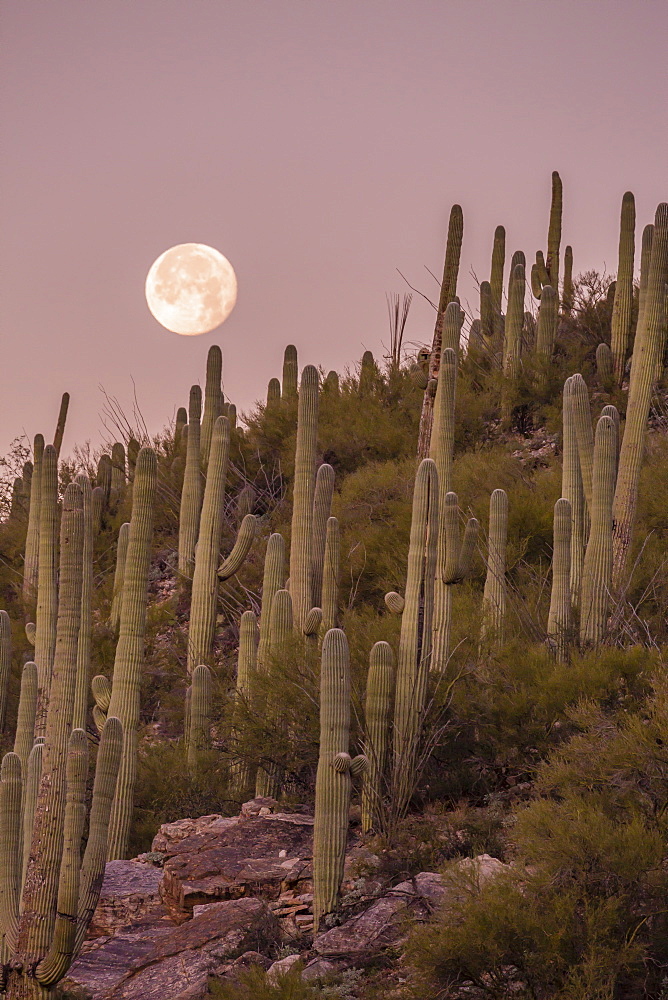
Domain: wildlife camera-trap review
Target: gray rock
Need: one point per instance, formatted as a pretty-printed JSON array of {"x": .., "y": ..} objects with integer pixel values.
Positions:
[
  {"x": 130, "y": 890},
  {"x": 282, "y": 966}
]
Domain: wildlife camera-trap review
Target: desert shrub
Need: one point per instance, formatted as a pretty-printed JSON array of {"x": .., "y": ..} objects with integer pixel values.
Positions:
[{"x": 253, "y": 984}]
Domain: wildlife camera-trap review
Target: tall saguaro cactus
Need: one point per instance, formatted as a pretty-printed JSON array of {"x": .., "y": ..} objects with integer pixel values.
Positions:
[
  {"x": 124, "y": 703},
  {"x": 597, "y": 569},
  {"x": 213, "y": 399},
  {"x": 322, "y": 505},
  {"x": 301, "y": 544},
  {"x": 85, "y": 631},
  {"x": 554, "y": 231},
  {"x": 377, "y": 716},
  {"x": 191, "y": 495},
  {"x": 333, "y": 778},
  {"x": 117, "y": 596},
  {"x": 60, "y": 424},
  {"x": 496, "y": 274},
  {"x": 448, "y": 293},
  {"x": 205, "y": 583},
  {"x": 623, "y": 303},
  {"x": 290, "y": 373},
  {"x": 573, "y": 491},
  {"x": 414, "y": 659},
  {"x": 47, "y": 588},
  {"x": 331, "y": 573},
  {"x": 647, "y": 350},
  {"x": 454, "y": 566},
  {"x": 31, "y": 564},
  {"x": 559, "y": 617},
  {"x": 495, "y": 592}
]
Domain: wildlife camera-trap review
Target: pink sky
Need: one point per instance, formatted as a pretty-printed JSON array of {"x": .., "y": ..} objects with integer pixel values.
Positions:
[{"x": 319, "y": 145}]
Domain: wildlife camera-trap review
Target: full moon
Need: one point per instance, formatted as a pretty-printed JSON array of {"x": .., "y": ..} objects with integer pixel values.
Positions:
[{"x": 191, "y": 288}]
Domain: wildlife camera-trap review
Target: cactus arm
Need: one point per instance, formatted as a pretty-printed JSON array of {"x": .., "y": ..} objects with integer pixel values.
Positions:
[
  {"x": 121, "y": 553},
  {"x": 213, "y": 399},
  {"x": 322, "y": 504},
  {"x": 623, "y": 303},
  {"x": 494, "y": 595},
  {"x": 60, "y": 424},
  {"x": 191, "y": 494},
  {"x": 597, "y": 568},
  {"x": 95, "y": 856},
  {"x": 554, "y": 231},
  {"x": 85, "y": 630},
  {"x": 559, "y": 617},
  {"x": 31, "y": 564},
  {"x": 5, "y": 663},
  {"x": 272, "y": 580},
  {"x": 200, "y": 713},
  {"x": 377, "y": 715},
  {"x": 25, "y": 723},
  {"x": 242, "y": 546},
  {"x": 290, "y": 373},
  {"x": 47, "y": 588}
]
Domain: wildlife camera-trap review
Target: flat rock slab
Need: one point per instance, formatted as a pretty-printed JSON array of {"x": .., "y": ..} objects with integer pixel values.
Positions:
[
  {"x": 170, "y": 834},
  {"x": 130, "y": 890},
  {"x": 258, "y": 856},
  {"x": 154, "y": 960}
]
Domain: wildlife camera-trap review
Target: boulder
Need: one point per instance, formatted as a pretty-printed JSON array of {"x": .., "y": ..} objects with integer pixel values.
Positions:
[
  {"x": 130, "y": 890},
  {"x": 154, "y": 960},
  {"x": 281, "y": 967},
  {"x": 260, "y": 855},
  {"x": 384, "y": 922}
]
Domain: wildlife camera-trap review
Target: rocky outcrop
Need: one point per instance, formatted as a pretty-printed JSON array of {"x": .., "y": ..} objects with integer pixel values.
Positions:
[
  {"x": 155, "y": 960},
  {"x": 260, "y": 855}
]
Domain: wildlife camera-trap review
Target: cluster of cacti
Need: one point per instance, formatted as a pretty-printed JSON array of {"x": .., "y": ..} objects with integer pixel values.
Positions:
[{"x": 47, "y": 892}]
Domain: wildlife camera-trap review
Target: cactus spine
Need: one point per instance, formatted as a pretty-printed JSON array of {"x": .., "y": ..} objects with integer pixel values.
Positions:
[
  {"x": 191, "y": 495},
  {"x": 31, "y": 564},
  {"x": 377, "y": 715},
  {"x": 301, "y": 545},
  {"x": 623, "y": 303},
  {"x": 331, "y": 573},
  {"x": 121, "y": 553},
  {"x": 448, "y": 294},
  {"x": 597, "y": 569},
  {"x": 333, "y": 778},
  {"x": 414, "y": 659},
  {"x": 200, "y": 713},
  {"x": 494, "y": 595},
  {"x": 130, "y": 648},
  {"x": 205, "y": 584},
  {"x": 559, "y": 617},
  {"x": 47, "y": 590},
  {"x": 647, "y": 352}
]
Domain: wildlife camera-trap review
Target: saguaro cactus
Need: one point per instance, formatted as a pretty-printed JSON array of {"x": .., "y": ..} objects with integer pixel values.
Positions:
[
  {"x": 377, "y": 716},
  {"x": 647, "y": 350},
  {"x": 583, "y": 431},
  {"x": 548, "y": 315},
  {"x": 414, "y": 659},
  {"x": 331, "y": 573},
  {"x": 290, "y": 373},
  {"x": 191, "y": 495},
  {"x": 200, "y": 713},
  {"x": 272, "y": 580},
  {"x": 121, "y": 553},
  {"x": 333, "y": 778},
  {"x": 25, "y": 722},
  {"x": 245, "y": 695},
  {"x": 494, "y": 595},
  {"x": 281, "y": 624},
  {"x": 85, "y": 630},
  {"x": 623, "y": 304},
  {"x": 496, "y": 275},
  {"x": 5, "y": 663},
  {"x": 322, "y": 505},
  {"x": 567, "y": 292},
  {"x": 205, "y": 583},
  {"x": 645, "y": 258},
  {"x": 31, "y": 564},
  {"x": 554, "y": 231},
  {"x": 130, "y": 647},
  {"x": 486, "y": 313},
  {"x": 453, "y": 567},
  {"x": 573, "y": 491},
  {"x": 47, "y": 589},
  {"x": 117, "y": 470},
  {"x": 514, "y": 322},
  {"x": 597, "y": 569},
  {"x": 559, "y": 617},
  {"x": 447, "y": 295},
  {"x": 301, "y": 545},
  {"x": 60, "y": 425},
  {"x": 213, "y": 399}
]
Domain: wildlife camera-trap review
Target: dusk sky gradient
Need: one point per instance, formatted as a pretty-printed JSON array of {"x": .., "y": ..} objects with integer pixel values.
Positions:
[{"x": 319, "y": 145}]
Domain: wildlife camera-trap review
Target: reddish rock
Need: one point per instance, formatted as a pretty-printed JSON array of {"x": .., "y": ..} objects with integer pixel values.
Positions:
[
  {"x": 130, "y": 890},
  {"x": 258, "y": 856}
]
